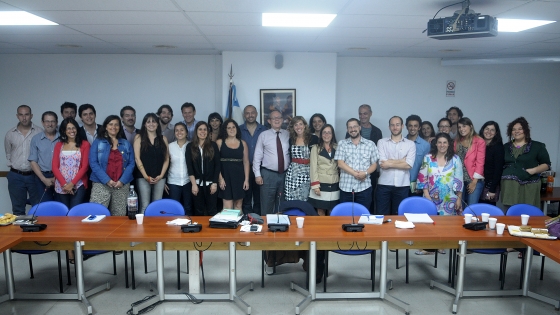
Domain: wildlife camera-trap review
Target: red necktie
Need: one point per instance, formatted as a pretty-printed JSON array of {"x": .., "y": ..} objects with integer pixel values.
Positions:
[{"x": 280, "y": 153}]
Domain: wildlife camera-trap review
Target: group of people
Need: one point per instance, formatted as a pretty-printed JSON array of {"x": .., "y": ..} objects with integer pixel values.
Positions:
[{"x": 215, "y": 164}]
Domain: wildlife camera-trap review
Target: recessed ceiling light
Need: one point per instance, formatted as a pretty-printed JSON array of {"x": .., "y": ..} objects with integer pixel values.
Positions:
[
  {"x": 69, "y": 46},
  {"x": 518, "y": 25},
  {"x": 164, "y": 46},
  {"x": 297, "y": 19},
  {"x": 22, "y": 18}
]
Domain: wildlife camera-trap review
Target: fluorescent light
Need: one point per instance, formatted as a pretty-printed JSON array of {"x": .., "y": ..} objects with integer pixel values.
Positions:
[
  {"x": 22, "y": 18},
  {"x": 297, "y": 19},
  {"x": 518, "y": 25}
]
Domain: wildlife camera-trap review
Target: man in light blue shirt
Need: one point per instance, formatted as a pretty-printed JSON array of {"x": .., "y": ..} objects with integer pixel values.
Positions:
[
  {"x": 41, "y": 154},
  {"x": 413, "y": 123}
]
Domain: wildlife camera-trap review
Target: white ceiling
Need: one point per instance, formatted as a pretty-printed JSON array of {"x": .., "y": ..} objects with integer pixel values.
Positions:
[{"x": 362, "y": 28}]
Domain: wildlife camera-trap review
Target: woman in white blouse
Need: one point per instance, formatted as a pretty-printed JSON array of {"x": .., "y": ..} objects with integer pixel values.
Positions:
[{"x": 178, "y": 184}]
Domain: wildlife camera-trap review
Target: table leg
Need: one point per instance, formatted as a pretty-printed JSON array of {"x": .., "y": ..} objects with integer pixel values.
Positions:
[
  {"x": 461, "y": 274},
  {"x": 9, "y": 272},
  {"x": 159, "y": 262},
  {"x": 194, "y": 271},
  {"x": 526, "y": 281},
  {"x": 79, "y": 263},
  {"x": 545, "y": 207}
]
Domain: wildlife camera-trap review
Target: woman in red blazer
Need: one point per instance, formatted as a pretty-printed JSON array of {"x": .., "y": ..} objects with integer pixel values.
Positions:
[
  {"x": 471, "y": 149},
  {"x": 70, "y": 164}
]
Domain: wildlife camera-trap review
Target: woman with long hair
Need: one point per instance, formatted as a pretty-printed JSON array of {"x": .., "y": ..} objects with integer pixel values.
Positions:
[
  {"x": 324, "y": 172},
  {"x": 494, "y": 161},
  {"x": 70, "y": 164},
  {"x": 178, "y": 183},
  {"x": 234, "y": 160},
  {"x": 203, "y": 162},
  {"x": 152, "y": 159},
  {"x": 428, "y": 132},
  {"x": 215, "y": 122},
  {"x": 297, "y": 182},
  {"x": 441, "y": 176},
  {"x": 471, "y": 149},
  {"x": 317, "y": 121},
  {"x": 111, "y": 159},
  {"x": 524, "y": 160}
]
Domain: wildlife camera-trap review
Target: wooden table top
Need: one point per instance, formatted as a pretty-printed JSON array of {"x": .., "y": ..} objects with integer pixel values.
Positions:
[{"x": 551, "y": 196}]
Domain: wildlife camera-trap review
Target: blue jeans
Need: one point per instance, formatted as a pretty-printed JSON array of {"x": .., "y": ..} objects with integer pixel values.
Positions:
[
  {"x": 49, "y": 194},
  {"x": 471, "y": 199},
  {"x": 362, "y": 197},
  {"x": 388, "y": 198},
  {"x": 72, "y": 200},
  {"x": 18, "y": 187},
  {"x": 185, "y": 191},
  {"x": 148, "y": 192}
]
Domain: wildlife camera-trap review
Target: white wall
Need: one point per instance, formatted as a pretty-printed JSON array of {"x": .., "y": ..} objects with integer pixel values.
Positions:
[
  {"x": 404, "y": 86},
  {"x": 313, "y": 75}
]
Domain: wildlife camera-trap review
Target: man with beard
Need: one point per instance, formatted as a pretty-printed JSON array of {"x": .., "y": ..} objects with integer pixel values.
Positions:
[
  {"x": 41, "y": 154},
  {"x": 250, "y": 132},
  {"x": 165, "y": 114},
  {"x": 68, "y": 109},
  {"x": 413, "y": 123},
  {"x": 357, "y": 158},
  {"x": 396, "y": 158},
  {"x": 17, "y": 144},
  {"x": 128, "y": 117}
]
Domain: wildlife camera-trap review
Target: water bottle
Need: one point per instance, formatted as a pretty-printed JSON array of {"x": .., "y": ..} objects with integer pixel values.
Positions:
[{"x": 132, "y": 202}]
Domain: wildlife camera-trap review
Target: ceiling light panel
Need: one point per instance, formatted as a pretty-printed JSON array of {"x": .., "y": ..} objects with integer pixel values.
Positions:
[
  {"x": 296, "y": 19},
  {"x": 519, "y": 25},
  {"x": 22, "y": 18}
]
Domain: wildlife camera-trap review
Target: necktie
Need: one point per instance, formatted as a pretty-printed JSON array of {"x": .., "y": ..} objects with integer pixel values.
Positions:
[{"x": 280, "y": 153}]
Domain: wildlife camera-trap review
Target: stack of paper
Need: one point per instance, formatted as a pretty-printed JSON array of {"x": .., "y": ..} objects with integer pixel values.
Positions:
[
  {"x": 227, "y": 215},
  {"x": 179, "y": 222},
  {"x": 371, "y": 219},
  {"x": 278, "y": 219},
  {"x": 404, "y": 225},
  {"x": 418, "y": 218}
]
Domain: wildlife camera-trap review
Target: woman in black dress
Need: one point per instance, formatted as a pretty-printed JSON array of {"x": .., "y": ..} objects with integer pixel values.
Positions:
[
  {"x": 234, "y": 159},
  {"x": 493, "y": 163}
]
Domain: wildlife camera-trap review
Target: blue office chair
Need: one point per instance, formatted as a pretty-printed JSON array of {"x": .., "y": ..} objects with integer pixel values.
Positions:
[
  {"x": 92, "y": 208},
  {"x": 163, "y": 208},
  {"x": 48, "y": 209},
  {"x": 416, "y": 205},
  {"x": 345, "y": 209},
  {"x": 518, "y": 210},
  {"x": 477, "y": 210}
]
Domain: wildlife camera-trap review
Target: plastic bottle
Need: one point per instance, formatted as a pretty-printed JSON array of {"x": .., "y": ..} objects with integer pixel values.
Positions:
[
  {"x": 132, "y": 203},
  {"x": 550, "y": 184}
]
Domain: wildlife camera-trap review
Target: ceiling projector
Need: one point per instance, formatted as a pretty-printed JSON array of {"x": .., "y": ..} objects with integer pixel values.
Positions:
[{"x": 463, "y": 24}]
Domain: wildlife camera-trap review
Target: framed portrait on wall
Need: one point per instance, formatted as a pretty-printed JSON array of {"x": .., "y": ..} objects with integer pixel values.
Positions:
[{"x": 283, "y": 100}]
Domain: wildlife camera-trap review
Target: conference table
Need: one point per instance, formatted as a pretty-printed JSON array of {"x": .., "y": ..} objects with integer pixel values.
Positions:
[
  {"x": 319, "y": 233},
  {"x": 547, "y": 197}
]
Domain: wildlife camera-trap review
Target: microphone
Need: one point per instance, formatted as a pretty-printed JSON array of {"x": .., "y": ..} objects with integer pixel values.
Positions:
[
  {"x": 30, "y": 219},
  {"x": 278, "y": 227},
  {"x": 475, "y": 226},
  {"x": 29, "y": 225},
  {"x": 165, "y": 212},
  {"x": 354, "y": 227}
]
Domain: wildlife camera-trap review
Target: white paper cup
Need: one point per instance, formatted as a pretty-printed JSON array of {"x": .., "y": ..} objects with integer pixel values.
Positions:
[
  {"x": 524, "y": 219},
  {"x": 468, "y": 218},
  {"x": 492, "y": 223},
  {"x": 485, "y": 217},
  {"x": 500, "y": 228},
  {"x": 139, "y": 218},
  {"x": 299, "y": 221}
]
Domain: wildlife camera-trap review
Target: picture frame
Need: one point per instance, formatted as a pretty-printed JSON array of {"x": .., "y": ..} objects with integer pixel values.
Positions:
[{"x": 283, "y": 100}]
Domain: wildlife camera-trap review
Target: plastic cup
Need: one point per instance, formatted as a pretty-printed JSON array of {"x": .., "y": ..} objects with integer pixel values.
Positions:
[
  {"x": 468, "y": 218},
  {"x": 524, "y": 219},
  {"x": 139, "y": 218},
  {"x": 485, "y": 217},
  {"x": 500, "y": 228},
  {"x": 299, "y": 221},
  {"x": 492, "y": 223}
]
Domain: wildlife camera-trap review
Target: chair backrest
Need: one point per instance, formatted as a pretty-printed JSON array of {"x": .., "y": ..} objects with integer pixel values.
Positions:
[
  {"x": 49, "y": 208},
  {"x": 417, "y": 205},
  {"x": 164, "y": 208},
  {"x": 88, "y": 208},
  {"x": 478, "y": 208},
  {"x": 522, "y": 208},
  {"x": 294, "y": 212},
  {"x": 345, "y": 209},
  {"x": 302, "y": 206}
]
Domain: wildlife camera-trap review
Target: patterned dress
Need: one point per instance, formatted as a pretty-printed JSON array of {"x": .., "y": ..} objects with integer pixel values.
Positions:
[
  {"x": 69, "y": 167},
  {"x": 442, "y": 182},
  {"x": 298, "y": 182}
]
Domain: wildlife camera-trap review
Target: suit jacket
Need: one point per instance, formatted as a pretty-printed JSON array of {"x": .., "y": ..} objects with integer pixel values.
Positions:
[
  {"x": 209, "y": 171},
  {"x": 83, "y": 134}
]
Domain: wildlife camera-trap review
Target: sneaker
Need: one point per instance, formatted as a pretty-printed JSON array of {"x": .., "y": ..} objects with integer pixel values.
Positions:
[
  {"x": 441, "y": 251},
  {"x": 423, "y": 252}
]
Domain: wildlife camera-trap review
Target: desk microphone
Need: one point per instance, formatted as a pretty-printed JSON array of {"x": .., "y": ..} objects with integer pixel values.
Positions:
[
  {"x": 186, "y": 228},
  {"x": 278, "y": 227},
  {"x": 475, "y": 226},
  {"x": 165, "y": 212},
  {"x": 31, "y": 226},
  {"x": 354, "y": 227}
]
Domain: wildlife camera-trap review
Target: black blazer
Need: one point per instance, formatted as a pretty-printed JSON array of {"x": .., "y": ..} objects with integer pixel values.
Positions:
[
  {"x": 211, "y": 170},
  {"x": 83, "y": 134}
]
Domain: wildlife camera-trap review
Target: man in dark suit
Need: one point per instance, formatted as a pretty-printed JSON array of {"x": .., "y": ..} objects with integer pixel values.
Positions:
[
  {"x": 128, "y": 117},
  {"x": 90, "y": 129},
  {"x": 370, "y": 132}
]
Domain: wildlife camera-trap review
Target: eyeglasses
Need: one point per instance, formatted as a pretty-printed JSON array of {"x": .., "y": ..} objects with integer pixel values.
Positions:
[
  {"x": 49, "y": 122},
  {"x": 445, "y": 126},
  {"x": 275, "y": 118}
]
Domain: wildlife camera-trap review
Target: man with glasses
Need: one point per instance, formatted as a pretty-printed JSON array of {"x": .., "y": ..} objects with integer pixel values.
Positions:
[
  {"x": 357, "y": 158},
  {"x": 21, "y": 179},
  {"x": 41, "y": 153},
  {"x": 270, "y": 161}
]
